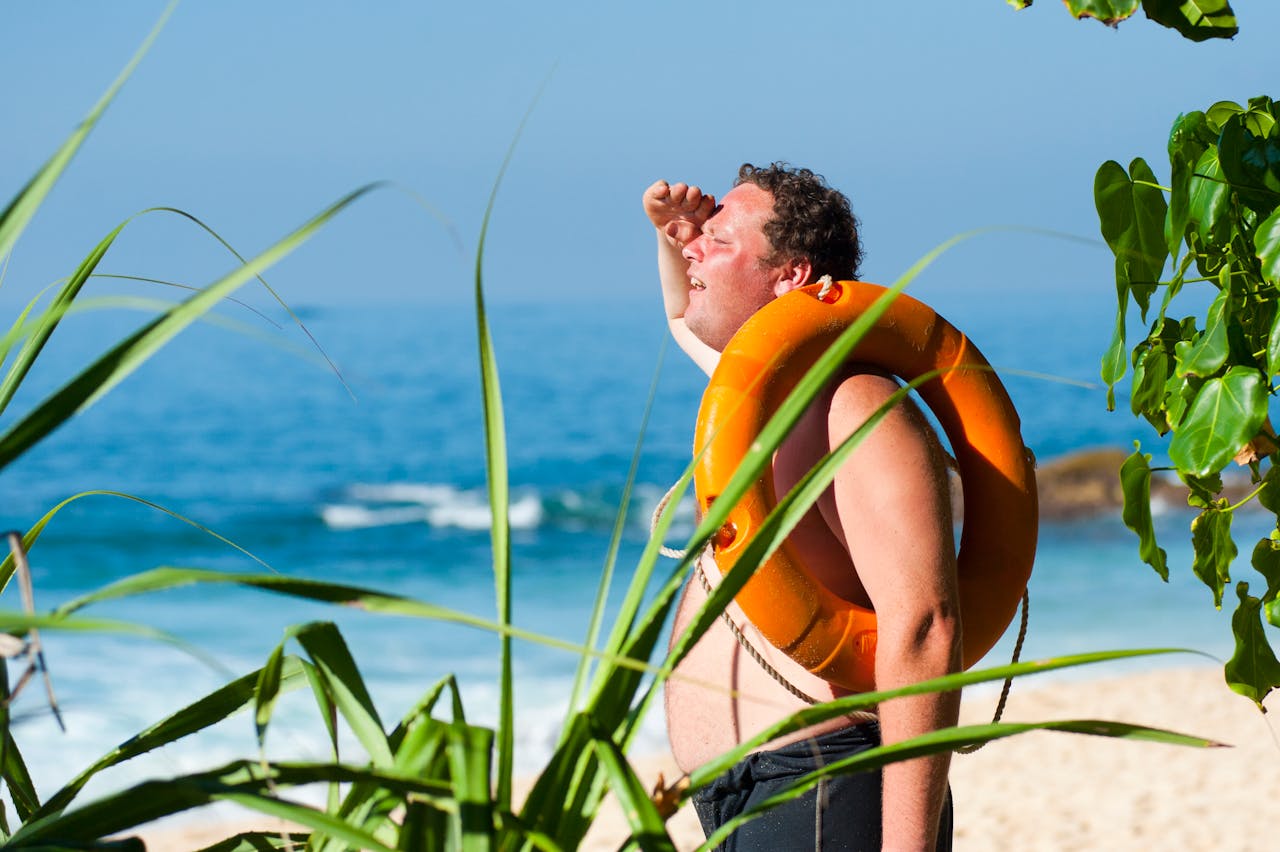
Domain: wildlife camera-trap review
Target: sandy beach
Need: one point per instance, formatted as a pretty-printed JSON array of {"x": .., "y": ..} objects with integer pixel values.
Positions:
[{"x": 1054, "y": 791}]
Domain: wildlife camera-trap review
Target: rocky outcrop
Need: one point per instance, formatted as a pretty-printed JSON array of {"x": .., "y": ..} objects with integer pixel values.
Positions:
[{"x": 1086, "y": 483}]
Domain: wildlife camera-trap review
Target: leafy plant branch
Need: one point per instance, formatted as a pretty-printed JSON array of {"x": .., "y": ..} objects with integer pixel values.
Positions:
[{"x": 1205, "y": 380}]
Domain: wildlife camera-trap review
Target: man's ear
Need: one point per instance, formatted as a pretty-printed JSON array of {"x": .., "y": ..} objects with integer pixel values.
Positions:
[{"x": 796, "y": 273}]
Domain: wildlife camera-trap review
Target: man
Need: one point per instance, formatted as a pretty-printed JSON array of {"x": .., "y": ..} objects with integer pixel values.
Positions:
[{"x": 880, "y": 537}]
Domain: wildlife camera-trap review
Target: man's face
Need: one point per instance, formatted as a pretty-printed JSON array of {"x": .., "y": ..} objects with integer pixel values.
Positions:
[{"x": 727, "y": 274}]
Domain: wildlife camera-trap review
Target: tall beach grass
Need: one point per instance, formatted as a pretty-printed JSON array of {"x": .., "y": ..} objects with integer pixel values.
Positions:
[{"x": 430, "y": 779}]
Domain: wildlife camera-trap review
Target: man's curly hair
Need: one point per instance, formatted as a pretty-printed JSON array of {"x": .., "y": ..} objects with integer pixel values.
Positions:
[{"x": 810, "y": 220}]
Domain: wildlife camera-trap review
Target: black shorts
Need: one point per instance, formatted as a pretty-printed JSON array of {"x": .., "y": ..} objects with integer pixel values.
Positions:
[{"x": 848, "y": 819}]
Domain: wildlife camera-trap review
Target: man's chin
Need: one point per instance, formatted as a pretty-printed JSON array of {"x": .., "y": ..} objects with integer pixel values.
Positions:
[{"x": 708, "y": 336}]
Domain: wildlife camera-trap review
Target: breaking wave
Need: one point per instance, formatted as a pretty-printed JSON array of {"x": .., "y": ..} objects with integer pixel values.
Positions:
[{"x": 364, "y": 506}]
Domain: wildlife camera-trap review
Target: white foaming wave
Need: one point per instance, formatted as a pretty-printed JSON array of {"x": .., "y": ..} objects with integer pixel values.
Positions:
[
  {"x": 524, "y": 513},
  {"x": 426, "y": 493},
  {"x": 434, "y": 504},
  {"x": 366, "y": 505},
  {"x": 347, "y": 517}
]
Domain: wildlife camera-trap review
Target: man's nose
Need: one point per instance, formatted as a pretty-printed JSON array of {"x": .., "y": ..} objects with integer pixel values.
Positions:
[{"x": 693, "y": 249}]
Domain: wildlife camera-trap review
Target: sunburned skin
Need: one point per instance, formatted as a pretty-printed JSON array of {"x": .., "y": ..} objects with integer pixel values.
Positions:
[
  {"x": 880, "y": 536},
  {"x": 708, "y": 690}
]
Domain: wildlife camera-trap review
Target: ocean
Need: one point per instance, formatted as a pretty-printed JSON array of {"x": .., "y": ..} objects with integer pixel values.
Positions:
[{"x": 241, "y": 427}]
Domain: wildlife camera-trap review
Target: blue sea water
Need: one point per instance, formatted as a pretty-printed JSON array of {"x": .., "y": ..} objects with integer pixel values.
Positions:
[{"x": 250, "y": 435}]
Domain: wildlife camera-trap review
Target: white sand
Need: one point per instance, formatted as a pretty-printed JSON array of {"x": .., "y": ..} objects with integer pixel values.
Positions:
[{"x": 1055, "y": 791}]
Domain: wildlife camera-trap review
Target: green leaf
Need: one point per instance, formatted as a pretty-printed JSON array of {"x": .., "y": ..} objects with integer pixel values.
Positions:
[
  {"x": 1019, "y": 4},
  {"x": 1179, "y": 394},
  {"x": 1214, "y": 550},
  {"x": 1150, "y": 375},
  {"x": 1109, "y": 12},
  {"x": 1253, "y": 670},
  {"x": 1250, "y": 161},
  {"x": 1188, "y": 139},
  {"x": 1220, "y": 113},
  {"x": 1135, "y": 482},
  {"x": 1226, "y": 414},
  {"x": 1209, "y": 198},
  {"x": 1266, "y": 244},
  {"x": 1131, "y": 213},
  {"x": 1266, "y": 561},
  {"x": 1203, "y": 490},
  {"x": 1197, "y": 20},
  {"x": 1208, "y": 352},
  {"x": 1269, "y": 495},
  {"x": 1113, "y": 361}
]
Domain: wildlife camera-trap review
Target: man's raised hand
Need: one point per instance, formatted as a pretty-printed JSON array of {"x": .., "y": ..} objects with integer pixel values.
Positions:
[{"x": 677, "y": 210}]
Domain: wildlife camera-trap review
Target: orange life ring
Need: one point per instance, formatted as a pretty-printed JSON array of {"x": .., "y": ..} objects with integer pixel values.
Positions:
[{"x": 825, "y": 633}]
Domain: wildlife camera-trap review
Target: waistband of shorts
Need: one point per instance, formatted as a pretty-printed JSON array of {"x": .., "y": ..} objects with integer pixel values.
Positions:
[{"x": 861, "y": 733}]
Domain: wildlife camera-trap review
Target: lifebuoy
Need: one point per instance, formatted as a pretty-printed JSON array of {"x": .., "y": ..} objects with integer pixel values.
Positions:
[{"x": 825, "y": 633}]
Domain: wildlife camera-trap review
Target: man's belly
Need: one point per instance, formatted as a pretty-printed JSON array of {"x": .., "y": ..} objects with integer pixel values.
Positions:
[{"x": 720, "y": 696}]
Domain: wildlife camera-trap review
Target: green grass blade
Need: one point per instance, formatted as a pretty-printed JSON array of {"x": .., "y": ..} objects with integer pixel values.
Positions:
[
  {"x": 164, "y": 578},
  {"x": 949, "y": 739},
  {"x": 22, "y": 790},
  {"x": 86, "y": 388},
  {"x": 779, "y": 523},
  {"x": 222, "y": 703},
  {"x": 470, "y": 753},
  {"x": 647, "y": 826},
  {"x": 297, "y": 320},
  {"x": 621, "y": 683},
  {"x": 52, "y": 316},
  {"x": 244, "y": 782},
  {"x": 329, "y": 715},
  {"x": 20, "y": 622},
  {"x": 191, "y": 288},
  {"x": 495, "y": 441},
  {"x": 843, "y": 706},
  {"x": 333, "y": 661},
  {"x": 265, "y": 692},
  {"x": 419, "y": 744},
  {"x": 421, "y": 710},
  {"x": 16, "y": 331},
  {"x": 33, "y": 534},
  {"x": 550, "y": 804},
  {"x": 615, "y": 541},
  {"x": 260, "y": 841},
  {"x": 499, "y": 487},
  {"x": 23, "y": 207}
]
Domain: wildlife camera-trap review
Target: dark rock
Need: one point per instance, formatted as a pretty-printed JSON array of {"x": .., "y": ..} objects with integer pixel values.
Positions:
[{"x": 1086, "y": 483}]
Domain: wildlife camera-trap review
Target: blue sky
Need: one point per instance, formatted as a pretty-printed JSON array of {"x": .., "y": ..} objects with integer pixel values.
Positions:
[{"x": 935, "y": 118}]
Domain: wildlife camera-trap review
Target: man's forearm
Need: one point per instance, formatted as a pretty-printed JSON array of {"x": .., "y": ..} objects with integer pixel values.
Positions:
[
  {"x": 673, "y": 272},
  {"x": 914, "y": 790}
]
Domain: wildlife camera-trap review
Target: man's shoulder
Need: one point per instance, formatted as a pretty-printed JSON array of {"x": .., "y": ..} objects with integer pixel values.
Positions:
[{"x": 861, "y": 391}]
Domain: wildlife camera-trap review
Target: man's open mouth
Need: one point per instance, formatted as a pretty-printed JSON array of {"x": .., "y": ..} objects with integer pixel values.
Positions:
[{"x": 697, "y": 285}]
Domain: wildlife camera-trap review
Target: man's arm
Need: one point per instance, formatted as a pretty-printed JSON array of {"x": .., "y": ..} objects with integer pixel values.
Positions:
[
  {"x": 678, "y": 212},
  {"x": 892, "y": 510}
]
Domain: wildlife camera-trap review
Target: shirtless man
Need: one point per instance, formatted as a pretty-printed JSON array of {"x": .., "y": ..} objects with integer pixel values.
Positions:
[{"x": 880, "y": 536}]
